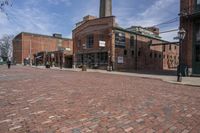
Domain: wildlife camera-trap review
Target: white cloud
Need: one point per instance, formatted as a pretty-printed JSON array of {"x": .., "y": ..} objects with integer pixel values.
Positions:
[
  {"x": 90, "y": 8},
  {"x": 27, "y": 20},
  {"x": 31, "y": 16},
  {"x": 158, "y": 12}
]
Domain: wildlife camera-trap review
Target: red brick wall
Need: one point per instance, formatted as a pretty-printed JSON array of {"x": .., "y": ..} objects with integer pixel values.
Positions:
[
  {"x": 17, "y": 49},
  {"x": 145, "y": 61},
  {"x": 31, "y": 44},
  {"x": 95, "y": 27}
]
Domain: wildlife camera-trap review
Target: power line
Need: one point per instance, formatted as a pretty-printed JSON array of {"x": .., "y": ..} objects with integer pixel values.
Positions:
[
  {"x": 172, "y": 30},
  {"x": 167, "y": 22}
]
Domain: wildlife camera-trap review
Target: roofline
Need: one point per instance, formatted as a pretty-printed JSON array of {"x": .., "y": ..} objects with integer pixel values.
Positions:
[
  {"x": 42, "y": 35},
  {"x": 92, "y": 20},
  {"x": 132, "y": 32}
]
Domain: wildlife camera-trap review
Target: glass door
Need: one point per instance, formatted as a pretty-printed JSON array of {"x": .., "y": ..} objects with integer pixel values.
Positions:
[{"x": 196, "y": 49}]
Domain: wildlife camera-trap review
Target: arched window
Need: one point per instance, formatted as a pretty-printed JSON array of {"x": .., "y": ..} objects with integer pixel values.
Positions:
[{"x": 132, "y": 41}]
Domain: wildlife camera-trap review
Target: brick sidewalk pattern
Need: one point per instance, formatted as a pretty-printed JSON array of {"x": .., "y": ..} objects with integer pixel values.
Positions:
[{"x": 51, "y": 101}]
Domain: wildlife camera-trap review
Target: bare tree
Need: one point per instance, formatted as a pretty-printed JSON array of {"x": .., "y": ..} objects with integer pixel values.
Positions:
[
  {"x": 6, "y": 48},
  {"x": 3, "y": 4}
]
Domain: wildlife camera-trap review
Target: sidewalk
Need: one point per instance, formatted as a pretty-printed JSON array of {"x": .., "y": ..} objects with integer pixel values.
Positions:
[{"x": 191, "y": 81}]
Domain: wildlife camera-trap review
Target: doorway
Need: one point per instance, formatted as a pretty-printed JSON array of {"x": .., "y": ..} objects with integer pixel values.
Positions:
[
  {"x": 196, "y": 49},
  {"x": 68, "y": 61}
]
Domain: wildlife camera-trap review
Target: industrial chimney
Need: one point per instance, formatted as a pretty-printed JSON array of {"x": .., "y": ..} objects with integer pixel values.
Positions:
[{"x": 105, "y": 8}]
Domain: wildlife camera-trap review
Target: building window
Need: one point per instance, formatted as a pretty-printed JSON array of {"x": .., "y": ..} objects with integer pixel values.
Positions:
[
  {"x": 174, "y": 57},
  {"x": 133, "y": 53},
  {"x": 101, "y": 37},
  {"x": 90, "y": 41},
  {"x": 132, "y": 42},
  {"x": 197, "y": 43},
  {"x": 103, "y": 58},
  {"x": 139, "y": 52},
  {"x": 125, "y": 52},
  {"x": 120, "y": 39},
  {"x": 198, "y": 53},
  {"x": 170, "y": 47},
  {"x": 150, "y": 55},
  {"x": 79, "y": 43},
  {"x": 155, "y": 55},
  {"x": 175, "y": 47},
  {"x": 164, "y": 48}
]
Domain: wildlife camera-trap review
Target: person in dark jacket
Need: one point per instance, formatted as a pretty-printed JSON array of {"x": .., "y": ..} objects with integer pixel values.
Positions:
[{"x": 9, "y": 64}]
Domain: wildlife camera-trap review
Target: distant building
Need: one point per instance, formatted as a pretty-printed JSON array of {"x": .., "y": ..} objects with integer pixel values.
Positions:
[
  {"x": 190, "y": 21},
  {"x": 28, "y": 45},
  {"x": 100, "y": 42}
]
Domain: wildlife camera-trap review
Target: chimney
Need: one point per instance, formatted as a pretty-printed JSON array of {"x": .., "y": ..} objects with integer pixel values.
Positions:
[{"x": 105, "y": 8}]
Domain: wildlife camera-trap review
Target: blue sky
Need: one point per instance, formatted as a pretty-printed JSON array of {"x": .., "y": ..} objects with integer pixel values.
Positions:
[{"x": 60, "y": 16}]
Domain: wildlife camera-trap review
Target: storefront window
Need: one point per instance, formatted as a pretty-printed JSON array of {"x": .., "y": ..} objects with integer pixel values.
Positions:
[
  {"x": 163, "y": 48},
  {"x": 197, "y": 43},
  {"x": 198, "y": 53},
  {"x": 78, "y": 43}
]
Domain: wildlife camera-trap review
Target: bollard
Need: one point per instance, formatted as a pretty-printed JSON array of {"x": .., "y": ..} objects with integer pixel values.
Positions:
[{"x": 179, "y": 78}]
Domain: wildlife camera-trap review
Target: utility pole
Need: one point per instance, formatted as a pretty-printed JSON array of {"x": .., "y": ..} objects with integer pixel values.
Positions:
[{"x": 30, "y": 52}]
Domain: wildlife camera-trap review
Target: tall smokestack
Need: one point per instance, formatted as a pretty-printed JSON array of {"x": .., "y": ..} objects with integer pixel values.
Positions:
[{"x": 105, "y": 8}]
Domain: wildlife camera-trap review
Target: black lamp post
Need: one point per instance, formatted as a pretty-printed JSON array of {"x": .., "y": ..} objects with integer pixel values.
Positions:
[
  {"x": 181, "y": 36},
  {"x": 110, "y": 65},
  {"x": 84, "y": 67}
]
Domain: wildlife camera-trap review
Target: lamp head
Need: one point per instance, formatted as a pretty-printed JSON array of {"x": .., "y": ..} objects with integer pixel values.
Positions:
[{"x": 182, "y": 34}]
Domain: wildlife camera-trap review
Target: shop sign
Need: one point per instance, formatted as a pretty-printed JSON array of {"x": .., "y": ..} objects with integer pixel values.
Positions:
[
  {"x": 120, "y": 60},
  {"x": 102, "y": 44}
]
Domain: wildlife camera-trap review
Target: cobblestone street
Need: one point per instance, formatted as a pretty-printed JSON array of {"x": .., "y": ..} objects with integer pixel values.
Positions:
[{"x": 52, "y": 101}]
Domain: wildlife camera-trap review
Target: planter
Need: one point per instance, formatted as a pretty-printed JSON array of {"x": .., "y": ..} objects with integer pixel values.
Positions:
[
  {"x": 84, "y": 68},
  {"x": 47, "y": 66}
]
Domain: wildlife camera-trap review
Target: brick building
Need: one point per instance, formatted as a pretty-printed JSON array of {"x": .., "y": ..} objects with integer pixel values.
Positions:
[
  {"x": 26, "y": 45},
  {"x": 100, "y": 42},
  {"x": 190, "y": 21}
]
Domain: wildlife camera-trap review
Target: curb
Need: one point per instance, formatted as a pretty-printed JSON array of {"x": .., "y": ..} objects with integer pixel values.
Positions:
[{"x": 128, "y": 74}]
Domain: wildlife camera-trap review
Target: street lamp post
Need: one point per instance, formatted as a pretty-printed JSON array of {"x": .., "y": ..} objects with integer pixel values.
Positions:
[
  {"x": 181, "y": 36},
  {"x": 84, "y": 67},
  {"x": 110, "y": 65}
]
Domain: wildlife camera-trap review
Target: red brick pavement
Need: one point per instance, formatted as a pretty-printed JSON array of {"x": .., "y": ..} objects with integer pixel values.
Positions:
[{"x": 50, "y": 101}]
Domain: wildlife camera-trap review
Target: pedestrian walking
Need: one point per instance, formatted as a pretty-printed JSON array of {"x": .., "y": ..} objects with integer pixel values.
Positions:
[{"x": 9, "y": 64}]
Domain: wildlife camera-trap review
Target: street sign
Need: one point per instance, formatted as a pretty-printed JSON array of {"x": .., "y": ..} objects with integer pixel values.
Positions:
[{"x": 102, "y": 44}]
